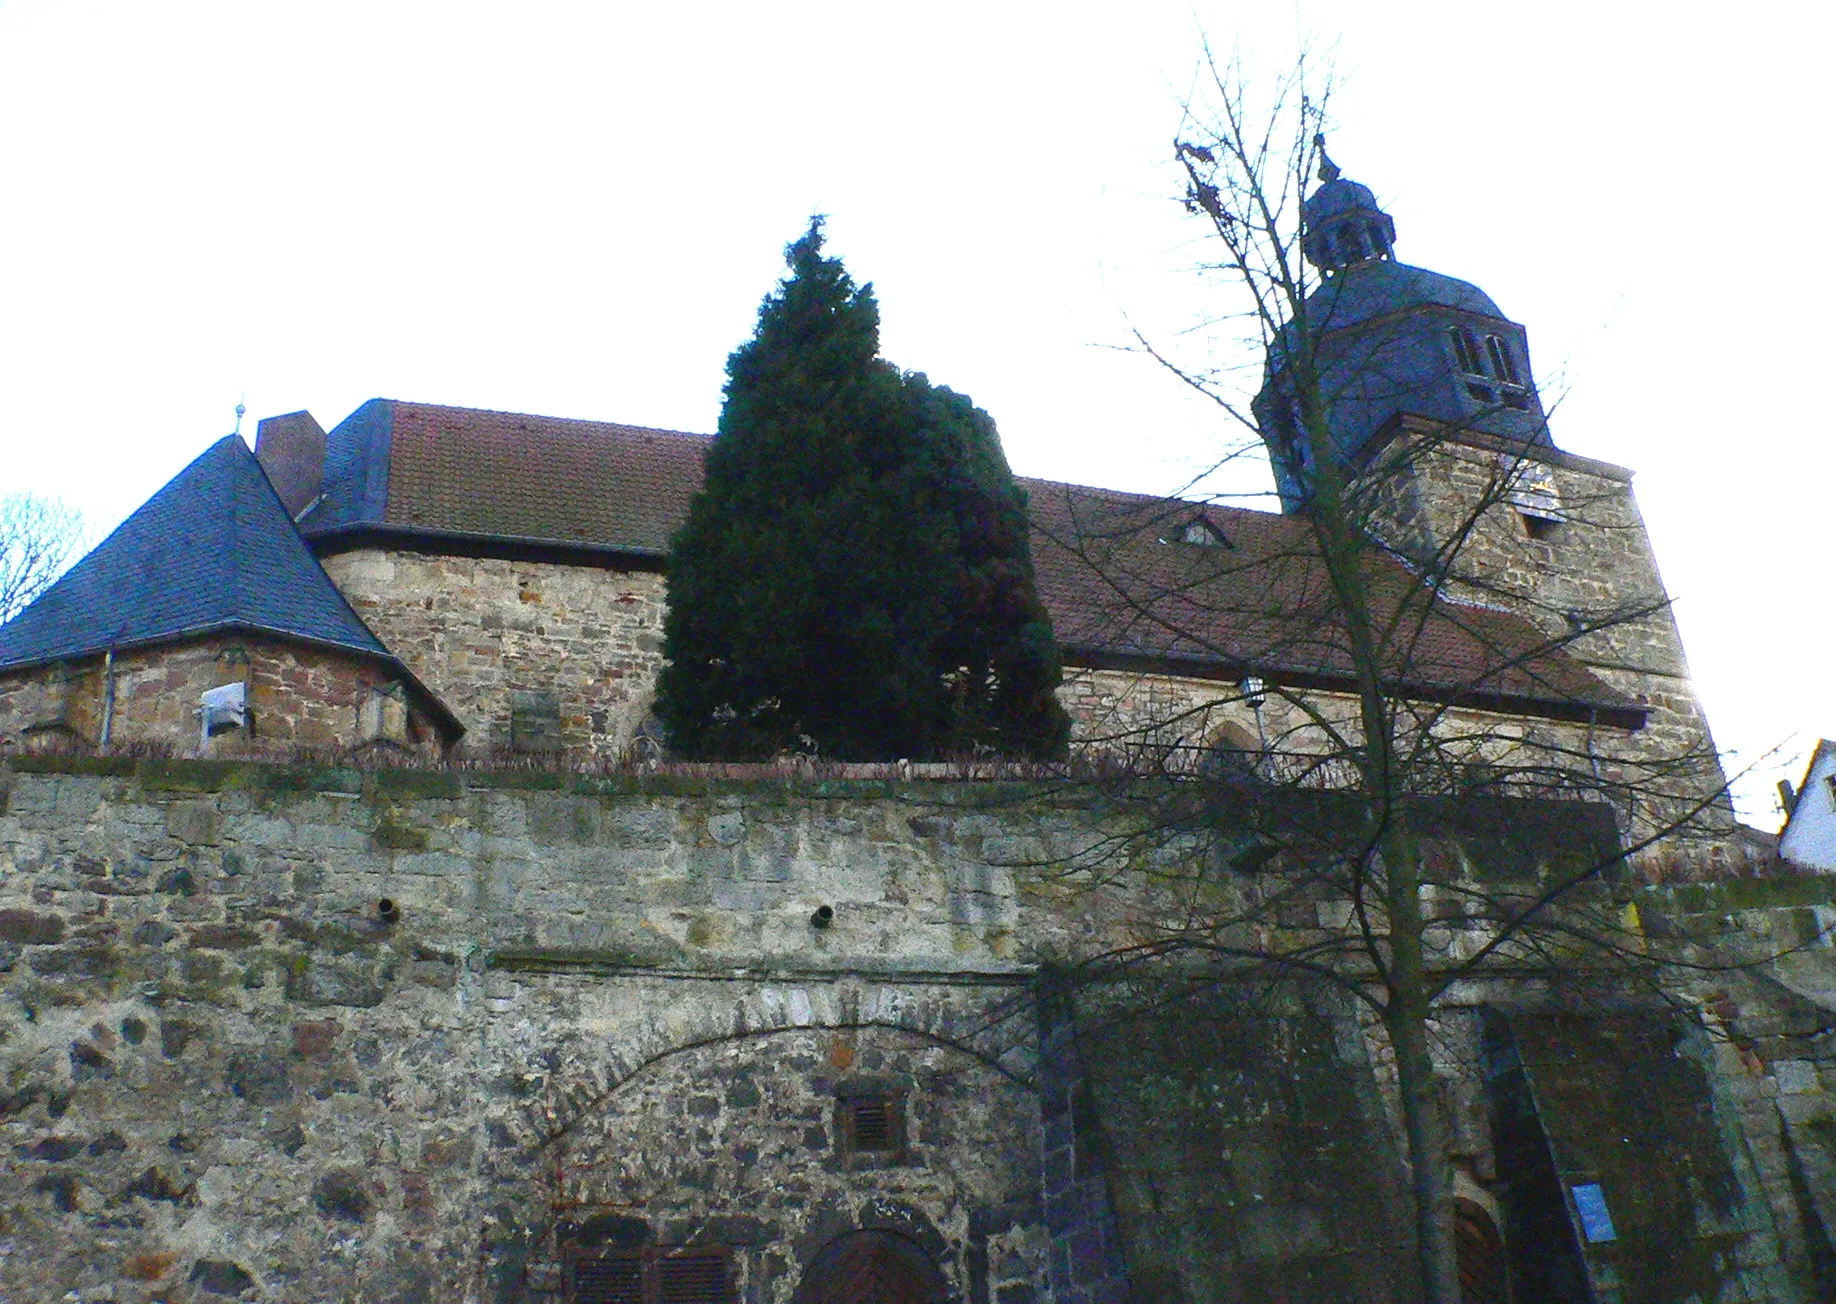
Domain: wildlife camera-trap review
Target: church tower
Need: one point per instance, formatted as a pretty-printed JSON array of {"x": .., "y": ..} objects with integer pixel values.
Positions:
[{"x": 1433, "y": 407}]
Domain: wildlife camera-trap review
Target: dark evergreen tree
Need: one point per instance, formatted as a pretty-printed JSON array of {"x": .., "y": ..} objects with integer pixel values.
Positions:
[{"x": 854, "y": 578}]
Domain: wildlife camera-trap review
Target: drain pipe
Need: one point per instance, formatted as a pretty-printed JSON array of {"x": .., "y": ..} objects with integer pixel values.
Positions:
[{"x": 108, "y": 696}]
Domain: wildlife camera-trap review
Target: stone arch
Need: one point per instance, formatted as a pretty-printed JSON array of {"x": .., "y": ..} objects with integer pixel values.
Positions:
[
  {"x": 1000, "y": 1040},
  {"x": 692, "y": 1116}
]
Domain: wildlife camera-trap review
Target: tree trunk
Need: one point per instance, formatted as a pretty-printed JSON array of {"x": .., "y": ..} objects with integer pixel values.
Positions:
[{"x": 1406, "y": 1019}]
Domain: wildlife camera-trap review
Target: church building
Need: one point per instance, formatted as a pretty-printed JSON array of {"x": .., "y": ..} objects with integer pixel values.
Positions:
[{"x": 358, "y": 939}]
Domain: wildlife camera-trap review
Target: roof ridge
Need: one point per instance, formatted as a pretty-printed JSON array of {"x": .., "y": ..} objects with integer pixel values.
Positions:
[{"x": 407, "y": 404}]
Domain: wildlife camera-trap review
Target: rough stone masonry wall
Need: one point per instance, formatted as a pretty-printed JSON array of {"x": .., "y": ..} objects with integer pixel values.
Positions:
[
  {"x": 227, "y": 1075},
  {"x": 299, "y": 698},
  {"x": 1595, "y": 569},
  {"x": 598, "y": 1013},
  {"x": 479, "y": 631}
]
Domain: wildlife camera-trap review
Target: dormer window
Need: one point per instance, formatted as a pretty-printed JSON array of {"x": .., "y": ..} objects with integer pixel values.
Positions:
[{"x": 1201, "y": 532}]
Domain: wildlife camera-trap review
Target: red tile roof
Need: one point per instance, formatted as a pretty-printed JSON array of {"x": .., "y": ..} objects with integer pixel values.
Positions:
[
  {"x": 506, "y": 475},
  {"x": 1120, "y": 587},
  {"x": 1124, "y": 589}
]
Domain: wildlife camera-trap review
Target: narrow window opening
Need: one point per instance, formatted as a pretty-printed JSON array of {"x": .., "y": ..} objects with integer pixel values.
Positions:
[
  {"x": 1504, "y": 365},
  {"x": 1466, "y": 351},
  {"x": 1481, "y": 392},
  {"x": 1541, "y": 528}
]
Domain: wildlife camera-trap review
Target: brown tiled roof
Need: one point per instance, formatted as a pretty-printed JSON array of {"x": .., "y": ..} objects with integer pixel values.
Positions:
[
  {"x": 1116, "y": 592},
  {"x": 525, "y": 477},
  {"x": 1124, "y": 589}
]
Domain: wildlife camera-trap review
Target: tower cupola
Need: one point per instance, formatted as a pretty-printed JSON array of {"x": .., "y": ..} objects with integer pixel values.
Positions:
[
  {"x": 1376, "y": 340},
  {"x": 1341, "y": 223}
]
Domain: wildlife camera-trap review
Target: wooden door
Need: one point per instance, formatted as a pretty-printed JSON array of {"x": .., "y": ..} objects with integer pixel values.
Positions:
[{"x": 872, "y": 1268}]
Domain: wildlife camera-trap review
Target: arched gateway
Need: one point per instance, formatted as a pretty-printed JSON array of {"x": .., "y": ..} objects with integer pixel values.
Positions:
[{"x": 872, "y": 1267}]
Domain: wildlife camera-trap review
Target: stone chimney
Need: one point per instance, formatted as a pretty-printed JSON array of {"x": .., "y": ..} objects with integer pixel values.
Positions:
[{"x": 291, "y": 449}]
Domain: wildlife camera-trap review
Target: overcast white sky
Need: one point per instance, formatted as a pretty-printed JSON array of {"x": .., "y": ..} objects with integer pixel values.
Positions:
[{"x": 574, "y": 209}]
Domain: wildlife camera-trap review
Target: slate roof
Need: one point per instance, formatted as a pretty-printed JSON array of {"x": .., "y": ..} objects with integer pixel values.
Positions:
[
  {"x": 458, "y": 472},
  {"x": 1115, "y": 593},
  {"x": 1382, "y": 286},
  {"x": 214, "y": 549}
]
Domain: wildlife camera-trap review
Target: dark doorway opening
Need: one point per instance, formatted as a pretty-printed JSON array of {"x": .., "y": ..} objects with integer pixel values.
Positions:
[
  {"x": 872, "y": 1268},
  {"x": 1544, "y": 1259}
]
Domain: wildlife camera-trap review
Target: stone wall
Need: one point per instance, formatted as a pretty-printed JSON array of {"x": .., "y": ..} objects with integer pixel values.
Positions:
[
  {"x": 593, "y": 1014},
  {"x": 299, "y": 698},
  {"x": 1594, "y": 571},
  {"x": 481, "y": 631}
]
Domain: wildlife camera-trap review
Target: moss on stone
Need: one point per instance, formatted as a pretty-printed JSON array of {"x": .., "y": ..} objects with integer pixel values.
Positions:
[
  {"x": 282, "y": 779},
  {"x": 391, "y": 835},
  {"x": 428, "y": 785},
  {"x": 1778, "y": 891},
  {"x": 96, "y": 765},
  {"x": 189, "y": 776}
]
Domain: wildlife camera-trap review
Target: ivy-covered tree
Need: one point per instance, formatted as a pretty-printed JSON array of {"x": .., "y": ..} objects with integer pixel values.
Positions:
[{"x": 854, "y": 579}]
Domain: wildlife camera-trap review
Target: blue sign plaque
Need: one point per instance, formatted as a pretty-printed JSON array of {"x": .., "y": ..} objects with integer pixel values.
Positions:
[{"x": 1590, "y": 1205}]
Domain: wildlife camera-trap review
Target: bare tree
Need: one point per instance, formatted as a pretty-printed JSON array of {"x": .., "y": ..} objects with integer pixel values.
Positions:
[
  {"x": 39, "y": 537},
  {"x": 1374, "y": 743}
]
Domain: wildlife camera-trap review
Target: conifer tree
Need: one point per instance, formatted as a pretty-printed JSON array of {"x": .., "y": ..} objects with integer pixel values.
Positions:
[{"x": 854, "y": 579}]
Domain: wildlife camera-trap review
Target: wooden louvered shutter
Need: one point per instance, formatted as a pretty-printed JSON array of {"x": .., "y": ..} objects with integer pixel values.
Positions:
[
  {"x": 653, "y": 1276},
  {"x": 873, "y": 1123},
  {"x": 615, "y": 1279},
  {"x": 693, "y": 1279}
]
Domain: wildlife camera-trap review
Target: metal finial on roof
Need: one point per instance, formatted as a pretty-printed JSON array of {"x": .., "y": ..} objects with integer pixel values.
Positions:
[
  {"x": 1329, "y": 171},
  {"x": 240, "y": 409}
]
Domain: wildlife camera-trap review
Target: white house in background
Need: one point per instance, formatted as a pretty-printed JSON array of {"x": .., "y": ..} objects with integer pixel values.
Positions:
[{"x": 1809, "y": 836}]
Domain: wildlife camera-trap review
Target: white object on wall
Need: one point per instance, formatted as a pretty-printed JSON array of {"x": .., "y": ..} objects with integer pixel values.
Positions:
[{"x": 224, "y": 707}]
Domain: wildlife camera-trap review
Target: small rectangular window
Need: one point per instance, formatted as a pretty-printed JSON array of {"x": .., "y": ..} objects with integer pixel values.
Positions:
[{"x": 870, "y": 1122}]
